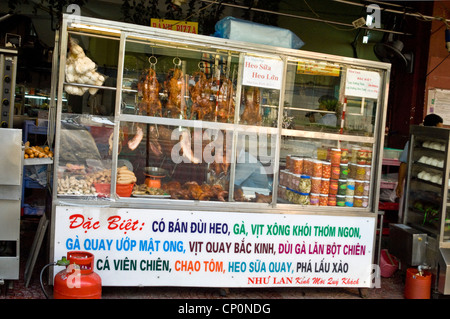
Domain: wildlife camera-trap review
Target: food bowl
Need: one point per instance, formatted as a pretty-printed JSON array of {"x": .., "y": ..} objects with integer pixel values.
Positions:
[
  {"x": 154, "y": 176},
  {"x": 103, "y": 189},
  {"x": 124, "y": 190},
  {"x": 155, "y": 172}
]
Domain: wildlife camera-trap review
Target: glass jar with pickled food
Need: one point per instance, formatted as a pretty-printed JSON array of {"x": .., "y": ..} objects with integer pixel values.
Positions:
[{"x": 305, "y": 184}]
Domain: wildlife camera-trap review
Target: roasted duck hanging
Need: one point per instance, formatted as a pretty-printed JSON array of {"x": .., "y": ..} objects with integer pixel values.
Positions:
[
  {"x": 150, "y": 105},
  {"x": 252, "y": 112},
  {"x": 202, "y": 98},
  {"x": 149, "y": 88},
  {"x": 225, "y": 101},
  {"x": 175, "y": 86}
]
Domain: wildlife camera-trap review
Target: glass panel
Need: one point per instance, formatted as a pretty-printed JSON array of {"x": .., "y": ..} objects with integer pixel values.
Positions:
[
  {"x": 259, "y": 106},
  {"x": 177, "y": 162},
  {"x": 101, "y": 103},
  {"x": 329, "y": 97},
  {"x": 85, "y": 156},
  {"x": 91, "y": 63},
  {"x": 35, "y": 102},
  {"x": 447, "y": 223},
  {"x": 425, "y": 195},
  {"x": 255, "y": 164},
  {"x": 311, "y": 96},
  {"x": 179, "y": 83},
  {"x": 360, "y": 116},
  {"x": 318, "y": 172}
]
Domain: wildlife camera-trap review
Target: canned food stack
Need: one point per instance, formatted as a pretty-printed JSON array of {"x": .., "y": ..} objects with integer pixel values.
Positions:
[{"x": 342, "y": 178}]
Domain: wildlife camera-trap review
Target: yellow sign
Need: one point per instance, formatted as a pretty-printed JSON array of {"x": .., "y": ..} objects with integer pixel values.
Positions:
[
  {"x": 318, "y": 68},
  {"x": 182, "y": 26}
]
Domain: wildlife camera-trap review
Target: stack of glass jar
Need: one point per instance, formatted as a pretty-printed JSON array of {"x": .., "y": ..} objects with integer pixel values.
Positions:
[{"x": 341, "y": 179}]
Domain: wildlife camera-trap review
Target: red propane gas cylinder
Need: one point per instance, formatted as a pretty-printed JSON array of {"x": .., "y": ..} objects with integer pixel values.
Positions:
[{"x": 78, "y": 280}]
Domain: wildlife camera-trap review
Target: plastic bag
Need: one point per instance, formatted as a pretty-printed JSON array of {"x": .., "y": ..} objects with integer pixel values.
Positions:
[
  {"x": 77, "y": 143},
  {"x": 242, "y": 30}
]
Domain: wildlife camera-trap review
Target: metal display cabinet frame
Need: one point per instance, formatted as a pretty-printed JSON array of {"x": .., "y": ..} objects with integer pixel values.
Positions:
[
  {"x": 10, "y": 199},
  {"x": 123, "y": 32},
  {"x": 427, "y": 211},
  {"x": 8, "y": 73}
]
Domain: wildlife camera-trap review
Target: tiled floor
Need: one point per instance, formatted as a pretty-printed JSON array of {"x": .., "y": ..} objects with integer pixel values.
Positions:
[{"x": 391, "y": 288}]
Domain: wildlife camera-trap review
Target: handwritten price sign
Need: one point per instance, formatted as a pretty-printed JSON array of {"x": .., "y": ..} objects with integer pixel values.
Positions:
[
  {"x": 218, "y": 249},
  {"x": 261, "y": 72},
  {"x": 362, "y": 83}
]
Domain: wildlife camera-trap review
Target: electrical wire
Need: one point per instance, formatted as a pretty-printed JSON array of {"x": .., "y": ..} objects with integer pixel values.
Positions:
[
  {"x": 197, "y": 12},
  {"x": 438, "y": 65},
  {"x": 304, "y": 17},
  {"x": 329, "y": 24},
  {"x": 40, "y": 277}
]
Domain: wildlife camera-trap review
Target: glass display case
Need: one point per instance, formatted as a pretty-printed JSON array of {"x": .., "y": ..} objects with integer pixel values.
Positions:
[
  {"x": 426, "y": 208},
  {"x": 173, "y": 129},
  {"x": 197, "y": 118},
  {"x": 427, "y": 183}
]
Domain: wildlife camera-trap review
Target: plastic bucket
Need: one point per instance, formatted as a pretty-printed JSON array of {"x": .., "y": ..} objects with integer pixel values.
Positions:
[
  {"x": 124, "y": 190},
  {"x": 417, "y": 286},
  {"x": 103, "y": 189},
  {"x": 388, "y": 264}
]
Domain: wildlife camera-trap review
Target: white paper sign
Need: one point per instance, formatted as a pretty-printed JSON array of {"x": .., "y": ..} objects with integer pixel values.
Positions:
[
  {"x": 260, "y": 72},
  {"x": 439, "y": 103},
  {"x": 362, "y": 83},
  {"x": 150, "y": 247}
]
